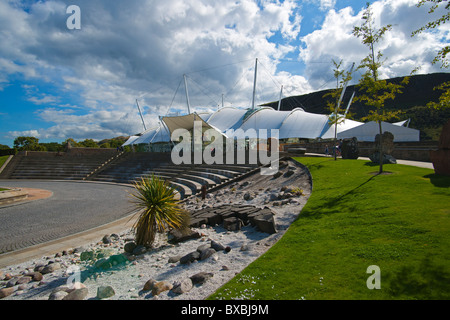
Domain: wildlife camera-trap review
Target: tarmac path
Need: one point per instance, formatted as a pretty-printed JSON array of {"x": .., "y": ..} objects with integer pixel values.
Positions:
[{"x": 74, "y": 206}]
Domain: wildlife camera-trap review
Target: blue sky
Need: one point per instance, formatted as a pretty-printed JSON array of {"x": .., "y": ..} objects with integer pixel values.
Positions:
[{"x": 57, "y": 83}]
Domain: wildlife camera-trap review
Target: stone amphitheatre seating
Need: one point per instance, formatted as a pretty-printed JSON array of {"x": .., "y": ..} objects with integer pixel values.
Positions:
[
  {"x": 75, "y": 164},
  {"x": 108, "y": 165},
  {"x": 187, "y": 179}
]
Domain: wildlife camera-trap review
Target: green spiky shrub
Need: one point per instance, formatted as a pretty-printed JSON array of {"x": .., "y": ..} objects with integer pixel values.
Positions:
[{"x": 159, "y": 209}]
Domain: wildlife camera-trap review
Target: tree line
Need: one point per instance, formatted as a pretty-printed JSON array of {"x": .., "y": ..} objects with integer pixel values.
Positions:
[{"x": 32, "y": 144}]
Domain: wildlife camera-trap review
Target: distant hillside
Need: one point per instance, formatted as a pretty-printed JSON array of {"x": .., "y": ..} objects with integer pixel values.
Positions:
[{"x": 412, "y": 101}]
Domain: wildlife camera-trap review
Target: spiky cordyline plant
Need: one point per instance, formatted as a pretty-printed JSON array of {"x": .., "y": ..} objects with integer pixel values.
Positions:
[{"x": 159, "y": 209}]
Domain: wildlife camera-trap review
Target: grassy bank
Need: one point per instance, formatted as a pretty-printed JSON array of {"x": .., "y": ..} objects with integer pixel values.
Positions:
[
  {"x": 3, "y": 160},
  {"x": 354, "y": 219}
]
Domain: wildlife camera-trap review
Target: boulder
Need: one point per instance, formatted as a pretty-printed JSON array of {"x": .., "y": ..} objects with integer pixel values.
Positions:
[
  {"x": 232, "y": 224},
  {"x": 106, "y": 239},
  {"x": 217, "y": 246},
  {"x": 160, "y": 287},
  {"x": 387, "y": 159},
  {"x": 77, "y": 294},
  {"x": 201, "y": 277},
  {"x": 177, "y": 235},
  {"x": 182, "y": 286},
  {"x": 35, "y": 276},
  {"x": 129, "y": 247},
  {"x": 149, "y": 284},
  {"x": 52, "y": 267},
  {"x": 207, "y": 253},
  {"x": 140, "y": 249},
  {"x": 190, "y": 257},
  {"x": 58, "y": 295},
  {"x": 104, "y": 292},
  {"x": 5, "y": 292},
  {"x": 264, "y": 221}
]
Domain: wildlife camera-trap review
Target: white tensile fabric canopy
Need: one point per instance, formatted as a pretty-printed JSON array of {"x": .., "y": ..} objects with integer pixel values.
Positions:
[
  {"x": 236, "y": 123},
  {"x": 368, "y": 131}
]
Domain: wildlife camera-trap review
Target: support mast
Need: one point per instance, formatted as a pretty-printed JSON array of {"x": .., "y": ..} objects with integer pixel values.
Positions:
[
  {"x": 279, "y": 101},
  {"x": 254, "y": 84},
  {"x": 142, "y": 118},
  {"x": 187, "y": 94}
]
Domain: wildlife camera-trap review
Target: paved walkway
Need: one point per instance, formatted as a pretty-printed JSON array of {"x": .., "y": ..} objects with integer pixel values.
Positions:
[{"x": 75, "y": 214}]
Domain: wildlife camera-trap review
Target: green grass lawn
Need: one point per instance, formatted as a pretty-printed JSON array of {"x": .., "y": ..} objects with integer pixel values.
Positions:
[
  {"x": 354, "y": 219},
  {"x": 3, "y": 160}
]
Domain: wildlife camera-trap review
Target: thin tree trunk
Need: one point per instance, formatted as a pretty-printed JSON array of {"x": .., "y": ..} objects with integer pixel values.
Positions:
[{"x": 381, "y": 148}]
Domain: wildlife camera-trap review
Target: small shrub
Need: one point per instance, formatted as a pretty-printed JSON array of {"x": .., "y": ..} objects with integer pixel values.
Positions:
[{"x": 159, "y": 212}]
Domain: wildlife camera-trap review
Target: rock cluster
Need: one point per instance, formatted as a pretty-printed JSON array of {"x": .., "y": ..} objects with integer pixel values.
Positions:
[{"x": 233, "y": 217}]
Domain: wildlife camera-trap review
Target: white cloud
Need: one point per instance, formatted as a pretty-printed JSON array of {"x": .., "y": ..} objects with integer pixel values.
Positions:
[
  {"x": 136, "y": 48},
  {"x": 334, "y": 40}
]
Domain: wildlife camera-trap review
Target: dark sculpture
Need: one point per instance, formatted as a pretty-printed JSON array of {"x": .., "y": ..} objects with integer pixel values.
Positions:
[
  {"x": 350, "y": 148},
  {"x": 387, "y": 148},
  {"x": 441, "y": 157}
]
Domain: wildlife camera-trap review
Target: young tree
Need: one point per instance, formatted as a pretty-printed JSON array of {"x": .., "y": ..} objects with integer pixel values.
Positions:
[
  {"x": 442, "y": 54},
  {"x": 336, "y": 113},
  {"x": 444, "y": 100},
  {"x": 374, "y": 92}
]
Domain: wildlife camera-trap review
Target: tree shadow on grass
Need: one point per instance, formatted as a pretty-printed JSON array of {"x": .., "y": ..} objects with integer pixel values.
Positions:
[
  {"x": 439, "y": 180},
  {"x": 335, "y": 202},
  {"x": 424, "y": 281}
]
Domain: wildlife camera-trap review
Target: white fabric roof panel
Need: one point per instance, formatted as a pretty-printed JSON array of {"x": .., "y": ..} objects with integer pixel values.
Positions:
[
  {"x": 227, "y": 118},
  {"x": 369, "y": 130},
  {"x": 301, "y": 124},
  {"x": 130, "y": 140},
  {"x": 291, "y": 124},
  {"x": 153, "y": 135}
]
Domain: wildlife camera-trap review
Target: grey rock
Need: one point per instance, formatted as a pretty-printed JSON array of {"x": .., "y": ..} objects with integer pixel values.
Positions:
[
  {"x": 190, "y": 257},
  {"x": 248, "y": 196},
  {"x": 207, "y": 253},
  {"x": 139, "y": 250},
  {"x": 273, "y": 196},
  {"x": 129, "y": 247},
  {"x": 289, "y": 173},
  {"x": 51, "y": 268},
  {"x": 175, "y": 259},
  {"x": 58, "y": 295},
  {"x": 203, "y": 247},
  {"x": 182, "y": 286},
  {"x": 201, "y": 277},
  {"x": 106, "y": 239},
  {"x": 244, "y": 247},
  {"x": 232, "y": 224},
  {"x": 77, "y": 294},
  {"x": 12, "y": 282},
  {"x": 105, "y": 292},
  {"x": 217, "y": 246}
]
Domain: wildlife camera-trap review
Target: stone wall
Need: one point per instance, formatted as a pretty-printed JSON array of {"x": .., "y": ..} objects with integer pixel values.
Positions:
[{"x": 416, "y": 151}]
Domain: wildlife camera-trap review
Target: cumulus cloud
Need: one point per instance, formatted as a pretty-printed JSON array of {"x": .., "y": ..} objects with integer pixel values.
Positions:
[
  {"x": 140, "y": 49},
  {"x": 403, "y": 53},
  {"x": 128, "y": 49}
]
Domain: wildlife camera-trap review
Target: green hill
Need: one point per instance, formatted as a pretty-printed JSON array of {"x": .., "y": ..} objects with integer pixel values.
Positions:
[{"x": 412, "y": 101}]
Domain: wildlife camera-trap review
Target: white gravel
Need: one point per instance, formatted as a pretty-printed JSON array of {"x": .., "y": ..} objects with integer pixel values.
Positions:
[{"x": 128, "y": 281}]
